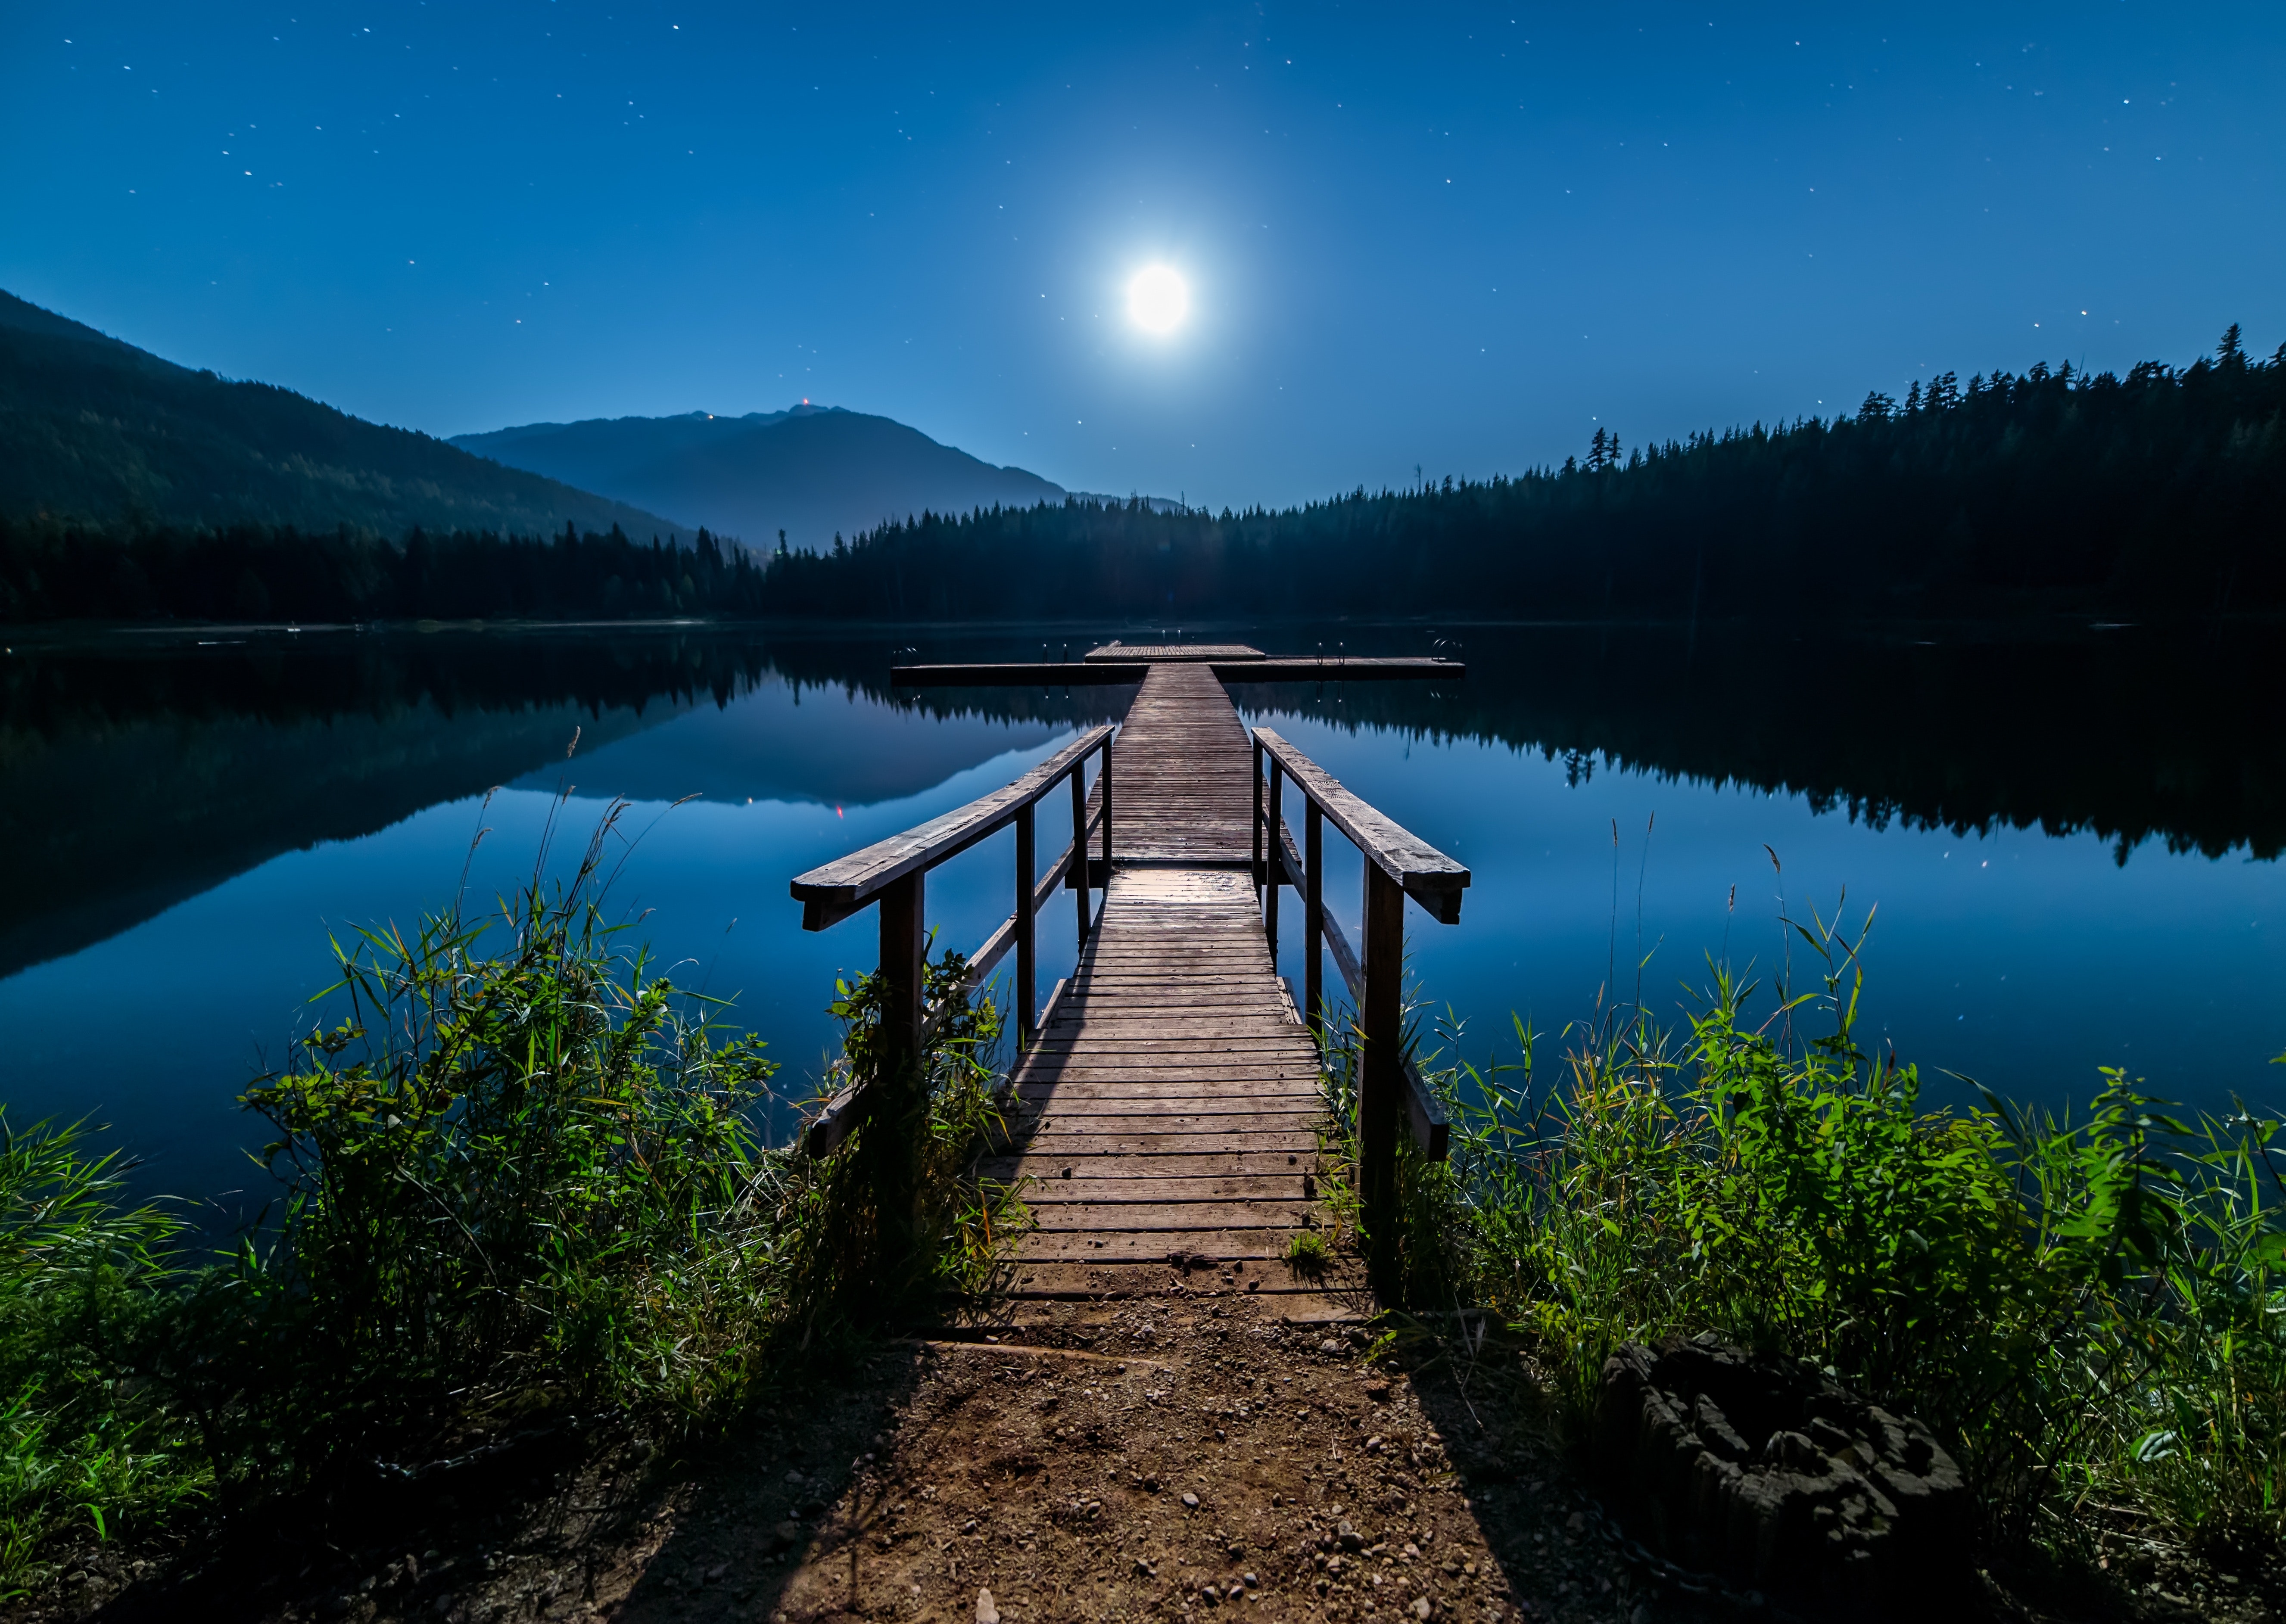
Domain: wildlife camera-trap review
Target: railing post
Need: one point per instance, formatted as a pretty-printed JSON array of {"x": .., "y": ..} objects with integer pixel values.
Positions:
[
  {"x": 1027, "y": 958},
  {"x": 1259, "y": 872},
  {"x": 1313, "y": 917},
  {"x": 1274, "y": 837},
  {"x": 1079, "y": 875},
  {"x": 896, "y": 1125},
  {"x": 1104, "y": 778},
  {"x": 1381, "y": 1093}
]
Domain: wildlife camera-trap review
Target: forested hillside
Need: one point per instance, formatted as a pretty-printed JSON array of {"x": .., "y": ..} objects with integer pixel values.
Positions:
[
  {"x": 100, "y": 432},
  {"x": 2161, "y": 491}
]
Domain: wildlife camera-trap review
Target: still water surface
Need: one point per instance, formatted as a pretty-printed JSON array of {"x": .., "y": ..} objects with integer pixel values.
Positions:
[{"x": 2071, "y": 838}]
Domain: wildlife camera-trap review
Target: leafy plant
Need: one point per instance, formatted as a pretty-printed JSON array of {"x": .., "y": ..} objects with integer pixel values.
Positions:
[
  {"x": 83, "y": 1445},
  {"x": 2092, "y": 1314}
]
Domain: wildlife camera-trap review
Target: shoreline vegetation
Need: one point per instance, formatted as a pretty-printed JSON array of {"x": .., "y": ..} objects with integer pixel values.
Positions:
[
  {"x": 520, "y": 1196},
  {"x": 2090, "y": 1311},
  {"x": 2155, "y": 494}
]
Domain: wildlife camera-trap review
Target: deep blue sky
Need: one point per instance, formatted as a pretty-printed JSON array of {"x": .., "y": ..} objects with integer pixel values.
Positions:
[{"x": 1451, "y": 237}]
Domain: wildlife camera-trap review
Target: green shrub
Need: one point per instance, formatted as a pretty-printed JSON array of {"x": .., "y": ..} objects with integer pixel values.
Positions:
[
  {"x": 529, "y": 1170},
  {"x": 2094, "y": 1314},
  {"x": 521, "y": 1174}
]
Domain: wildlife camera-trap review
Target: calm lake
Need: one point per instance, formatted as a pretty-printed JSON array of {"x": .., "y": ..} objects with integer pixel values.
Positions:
[{"x": 2072, "y": 837}]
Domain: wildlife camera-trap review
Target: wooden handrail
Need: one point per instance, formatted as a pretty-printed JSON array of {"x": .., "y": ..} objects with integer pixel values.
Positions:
[
  {"x": 1429, "y": 877},
  {"x": 1424, "y": 1114},
  {"x": 1397, "y": 864},
  {"x": 892, "y": 874},
  {"x": 831, "y": 893}
]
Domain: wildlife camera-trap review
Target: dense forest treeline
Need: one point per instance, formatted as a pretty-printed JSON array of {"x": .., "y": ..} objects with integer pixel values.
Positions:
[
  {"x": 54, "y": 571},
  {"x": 2158, "y": 492}
]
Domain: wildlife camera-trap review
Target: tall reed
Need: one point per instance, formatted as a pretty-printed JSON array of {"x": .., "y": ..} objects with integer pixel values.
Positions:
[{"x": 2092, "y": 1311}]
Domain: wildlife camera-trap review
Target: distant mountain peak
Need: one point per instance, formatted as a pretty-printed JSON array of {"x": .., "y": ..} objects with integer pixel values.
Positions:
[{"x": 808, "y": 471}]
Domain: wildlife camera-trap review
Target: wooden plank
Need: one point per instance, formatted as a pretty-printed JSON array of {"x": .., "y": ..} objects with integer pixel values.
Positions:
[
  {"x": 1149, "y": 1172},
  {"x": 1227, "y": 1136},
  {"x": 1119, "y": 1278},
  {"x": 1154, "y": 1245},
  {"x": 1151, "y": 1218},
  {"x": 1115, "y": 651},
  {"x": 1053, "y": 1189}
]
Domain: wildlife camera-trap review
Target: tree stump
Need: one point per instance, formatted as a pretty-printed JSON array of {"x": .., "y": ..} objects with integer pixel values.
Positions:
[{"x": 1759, "y": 1469}]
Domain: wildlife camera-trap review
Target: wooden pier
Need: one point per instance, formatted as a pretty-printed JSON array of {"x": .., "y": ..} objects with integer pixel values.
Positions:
[{"x": 1166, "y": 1109}]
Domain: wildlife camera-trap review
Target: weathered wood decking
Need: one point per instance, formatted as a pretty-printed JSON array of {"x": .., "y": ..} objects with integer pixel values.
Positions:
[
  {"x": 1166, "y": 1121},
  {"x": 1182, "y": 789}
]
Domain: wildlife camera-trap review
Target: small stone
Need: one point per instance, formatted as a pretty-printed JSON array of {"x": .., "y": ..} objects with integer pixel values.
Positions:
[
  {"x": 1423, "y": 1606},
  {"x": 1249, "y": 1580},
  {"x": 1190, "y": 1501},
  {"x": 1329, "y": 1346},
  {"x": 795, "y": 1477},
  {"x": 986, "y": 1613}
]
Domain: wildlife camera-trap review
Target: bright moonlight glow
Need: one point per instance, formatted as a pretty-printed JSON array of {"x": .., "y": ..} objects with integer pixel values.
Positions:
[{"x": 1156, "y": 299}]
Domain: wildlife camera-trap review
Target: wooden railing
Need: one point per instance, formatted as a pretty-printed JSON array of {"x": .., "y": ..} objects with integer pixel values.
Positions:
[
  {"x": 894, "y": 874},
  {"x": 1397, "y": 864}
]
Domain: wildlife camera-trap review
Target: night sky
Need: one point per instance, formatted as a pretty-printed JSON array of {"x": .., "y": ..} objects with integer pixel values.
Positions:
[{"x": 1451, "y": 238}]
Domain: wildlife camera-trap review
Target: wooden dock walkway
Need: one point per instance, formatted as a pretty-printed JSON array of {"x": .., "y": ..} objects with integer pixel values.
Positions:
[{"x": 1167, "y": 1112}]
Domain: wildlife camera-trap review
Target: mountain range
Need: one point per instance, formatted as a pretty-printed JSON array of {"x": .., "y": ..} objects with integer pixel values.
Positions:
[
  {"x": 809, "y": 472},
  {"x": 95, "y": 429}
]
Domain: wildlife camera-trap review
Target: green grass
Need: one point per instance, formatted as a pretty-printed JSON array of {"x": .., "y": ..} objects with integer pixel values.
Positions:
[
  {"x": 2091, "y": 1311},
  {"x": 520, "y": 1178},
  {"x": 84, "y": 1445},
  {"x": 1308, "y": 1254}
]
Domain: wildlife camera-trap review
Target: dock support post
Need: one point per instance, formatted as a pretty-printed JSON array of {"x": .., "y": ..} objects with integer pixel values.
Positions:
[
  {"x": 1314, "y": 918},
  {"x": 898, "y": 1121},
  {"x": 1027, "y": 955},
  {"x": 1104, "y": 779},
  {"x": 1260, "y": 873},
  {"x": 1276, "y": 876},
  {"x": 1381, "y": 1091},
  {"x": 1079, "y": 874}
]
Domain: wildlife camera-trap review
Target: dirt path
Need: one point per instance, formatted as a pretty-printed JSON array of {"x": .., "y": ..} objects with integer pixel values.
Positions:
[
  {"x": 1163, "y": 1457},
  {"x": 1152, "y": 1458}
]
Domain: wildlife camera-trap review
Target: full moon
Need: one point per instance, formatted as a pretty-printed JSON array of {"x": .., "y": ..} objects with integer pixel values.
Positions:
[{"x": 1156, "y": 299}]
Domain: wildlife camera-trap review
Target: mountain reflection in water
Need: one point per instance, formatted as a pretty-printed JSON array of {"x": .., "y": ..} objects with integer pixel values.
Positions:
[{"x": 140, "y": 771}]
